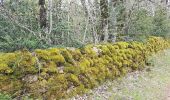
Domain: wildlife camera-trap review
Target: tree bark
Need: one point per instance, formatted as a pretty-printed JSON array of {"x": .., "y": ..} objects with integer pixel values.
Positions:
[
  {"x": 104, "y": 20},
  {"x": 1, "y": 2},
  {"x": 43, "y": 14},
  {"x": 167, "y": 2},
  {"x": 83, "y": 2},
  {"x": 50, "y": 16},
  {"x": 91, "y": 19}
]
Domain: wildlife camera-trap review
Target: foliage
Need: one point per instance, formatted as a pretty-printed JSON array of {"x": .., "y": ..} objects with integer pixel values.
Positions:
[
  {"x": 161, "y": 23},
  {"x": 71, "y": 26},
  {"x": 10, "y": 43},
  {"x": 143, "y": 23}
]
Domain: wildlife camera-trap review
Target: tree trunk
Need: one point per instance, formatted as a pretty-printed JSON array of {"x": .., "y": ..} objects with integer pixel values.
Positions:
[
  {"x": 83, "y": 2},
  {"x": 1, "y": 2},
  {"x": 91, "y": 19},
  {"x": 167, "y": 2},
  {"x": 59, "y": 11},
  {"x": 50, "y": 16},
  {"x": 43, "y": 14},
  {"x": 104, "y": 20}
]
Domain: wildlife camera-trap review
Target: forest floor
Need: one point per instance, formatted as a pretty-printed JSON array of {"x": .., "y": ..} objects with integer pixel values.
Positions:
[{"x": 153, "y": 83}]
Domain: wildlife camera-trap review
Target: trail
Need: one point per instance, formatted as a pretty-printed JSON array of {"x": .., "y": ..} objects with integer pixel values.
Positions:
[{"x": 153, "y": 83}]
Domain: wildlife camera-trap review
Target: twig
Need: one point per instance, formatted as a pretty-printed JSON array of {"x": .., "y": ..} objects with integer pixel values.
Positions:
[{"x": 11, "y": 18}]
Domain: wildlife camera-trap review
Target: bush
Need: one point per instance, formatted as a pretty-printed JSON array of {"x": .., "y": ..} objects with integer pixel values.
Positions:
[
  {"x": 161, "y": 23},
  {"x": 141, "y": 22},
  {"x": 65, "y": 72},
  {"x": 144, "y": 23},
  {"x": 10, "y": 44}
]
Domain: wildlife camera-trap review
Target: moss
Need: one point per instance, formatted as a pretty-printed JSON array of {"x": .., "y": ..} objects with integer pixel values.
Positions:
[
  {"x": 50, "y": 55},
  {"x": 68, "y": 57},
  {"x": 42, "y": 54},
  {"x": 58, "y": 59},
  {"x": 72, "y": 69},
  {"x": 84, "y": 62},
  {"x": 54, "y": 51},
  {"x": 50, "y": 67},
  {"x": 8, "y": 57},
  {"x": 77, "y": 90},
  {"x": 124, "y": 70},
  {"x": 76, "y": 54},
  {"x": 11, "y": 87},
  {"x": 129, "y": 56},
  {"x": 89, "y": 52},
  {"x": 122, "y": 45},
  {"x": 58, "y": 86},
  {"x": 110, "y": 47},
  {"x": 5, "y": 69},
  {"x": 67, "y": 72},
  {"x": 126, "y": 63},
  {"x": 94, "y": 70},
  {"x": 114, "y": 71},
  {"x": 116, "y": 47},
  {"x": 36, "y": 89},
  {"x": 109, "y": 59},
  {"x": 90, "y": 61},
  {"x": 24, "y": 64},
  {"x": 74, "y": 79},
  {"x": 89, "y": 80},
  {"x": 105, "y": 50}
]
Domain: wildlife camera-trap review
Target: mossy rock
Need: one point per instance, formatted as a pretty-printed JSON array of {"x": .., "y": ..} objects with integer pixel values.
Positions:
[
  {"x": 73, "y": 79},
  {"x": 65, "y": 72},
  {"x": 4, "y": 69}
]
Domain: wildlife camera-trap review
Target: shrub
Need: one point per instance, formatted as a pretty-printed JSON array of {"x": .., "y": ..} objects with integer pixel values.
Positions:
[
  {"x": 161, "y": 23},
  {"x": 143, "y": 23}
]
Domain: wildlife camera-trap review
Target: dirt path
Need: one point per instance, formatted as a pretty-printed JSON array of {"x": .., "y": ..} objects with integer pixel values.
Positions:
[
  {"x": 152, "y": 84},
  {"x": 167, "y": 92}
]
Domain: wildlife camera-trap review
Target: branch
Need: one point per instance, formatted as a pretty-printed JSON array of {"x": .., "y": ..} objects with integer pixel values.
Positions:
[{"x": 11, "y": 18}]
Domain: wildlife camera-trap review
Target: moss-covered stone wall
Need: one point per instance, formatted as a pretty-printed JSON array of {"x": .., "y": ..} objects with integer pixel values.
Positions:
[{"x": 61, "y": 73}]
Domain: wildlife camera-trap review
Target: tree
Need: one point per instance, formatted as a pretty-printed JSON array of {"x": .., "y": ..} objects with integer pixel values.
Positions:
[
  {"x": 83, "y": 2},
  {"x": 50, "y": 16},
  {"x": 43, "y": 14},
  {"x": 89, "y": 10},
  {"x": 1, "y": 2},
  {"x": 104, "y": 20}
]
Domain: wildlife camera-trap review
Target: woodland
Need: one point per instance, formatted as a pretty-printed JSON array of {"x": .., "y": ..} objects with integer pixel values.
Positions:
[{"x": 35, "y": 24}]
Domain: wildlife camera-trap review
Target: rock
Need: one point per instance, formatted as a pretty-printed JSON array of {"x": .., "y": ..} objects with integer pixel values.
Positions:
[
  {"x": 61, "y": 69},
  {"x": 98, "y": 51},
  {"x": 30, "y": 78}
]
